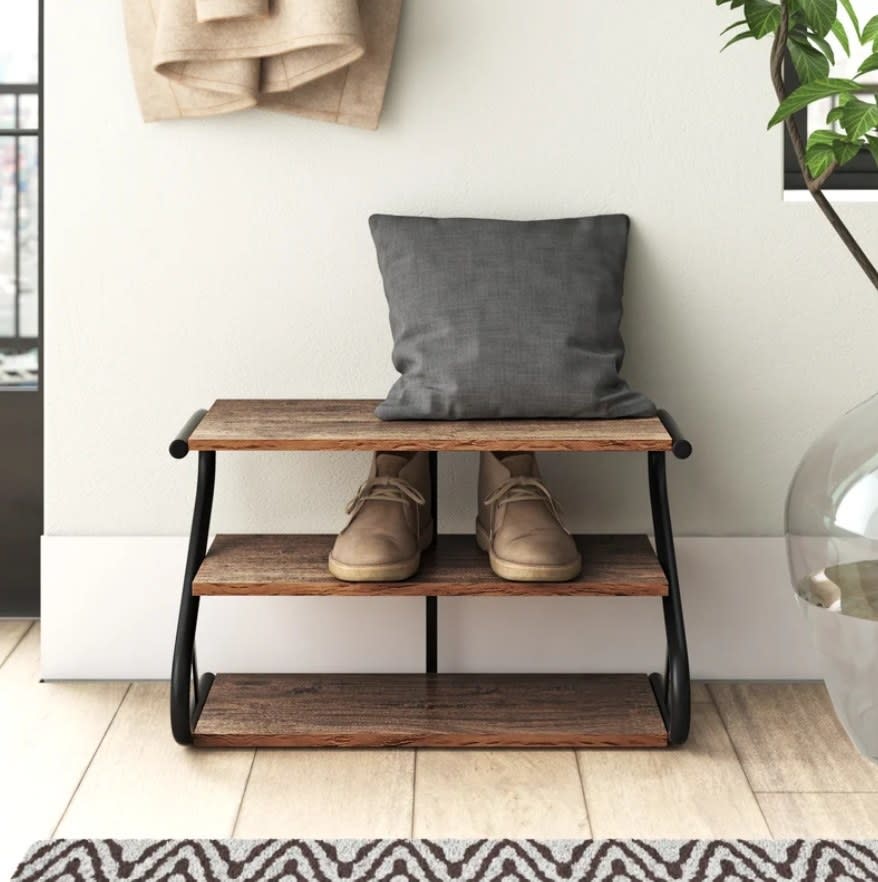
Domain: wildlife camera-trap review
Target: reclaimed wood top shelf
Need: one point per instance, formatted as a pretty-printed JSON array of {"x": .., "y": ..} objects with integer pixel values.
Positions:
[
  {"x": 350, "y": 424},
  {"x": 254, "y": 564}
]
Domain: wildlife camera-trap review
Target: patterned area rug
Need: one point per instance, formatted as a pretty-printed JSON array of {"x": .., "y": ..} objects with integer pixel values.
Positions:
[{"x": 423, "y": 860}]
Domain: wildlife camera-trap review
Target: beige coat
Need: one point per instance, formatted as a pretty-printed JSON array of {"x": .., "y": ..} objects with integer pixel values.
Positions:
[{"x": 324, "y": 59}]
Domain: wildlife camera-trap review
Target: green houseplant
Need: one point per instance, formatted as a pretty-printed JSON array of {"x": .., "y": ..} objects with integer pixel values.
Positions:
[
  {"x": 832, "y": 506},
  {"x": 800, "y": 30}
]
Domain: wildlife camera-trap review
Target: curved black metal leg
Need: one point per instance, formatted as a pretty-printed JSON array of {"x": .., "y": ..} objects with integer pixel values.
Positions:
[
  {"x": 185, "y": 709},
  {"x": 672, "y": 691}
]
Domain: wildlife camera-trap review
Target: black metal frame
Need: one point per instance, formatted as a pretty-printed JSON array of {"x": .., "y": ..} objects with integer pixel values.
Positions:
[
  {"x": 186, "y": 705},
  {"x": 431, "y": 640},
  {"x": 672, "y": 689}
]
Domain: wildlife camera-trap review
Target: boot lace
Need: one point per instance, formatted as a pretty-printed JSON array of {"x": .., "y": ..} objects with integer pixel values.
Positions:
[
  {"x": 521, "y": 488},
  {"x": 386, "y": 489}
]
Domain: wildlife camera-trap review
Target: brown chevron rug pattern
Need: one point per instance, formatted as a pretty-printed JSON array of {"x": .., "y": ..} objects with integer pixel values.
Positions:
[{"x": 424, "y": 860}]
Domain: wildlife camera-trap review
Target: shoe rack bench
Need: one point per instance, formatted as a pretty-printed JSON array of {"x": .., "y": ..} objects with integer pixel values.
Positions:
[{"x": 431, "y": 708}]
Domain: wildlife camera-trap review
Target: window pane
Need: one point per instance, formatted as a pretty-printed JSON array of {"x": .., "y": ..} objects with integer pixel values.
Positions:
[
  {"x": 28, "y": 237},
  {"x": 19, "y": 41},
  {"x": 7, "y": 237},
  {"x": 7, "y": 111},
  {"x": 28, "y": 111},
  {"x": 19, "y": 368}
]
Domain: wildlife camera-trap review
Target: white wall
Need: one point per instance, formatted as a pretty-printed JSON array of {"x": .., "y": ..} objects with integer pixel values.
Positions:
[{"x": 231, "y": 257}]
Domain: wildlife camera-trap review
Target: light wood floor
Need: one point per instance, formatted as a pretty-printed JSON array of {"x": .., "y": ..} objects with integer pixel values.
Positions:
[{"x": 97, "y": 759}]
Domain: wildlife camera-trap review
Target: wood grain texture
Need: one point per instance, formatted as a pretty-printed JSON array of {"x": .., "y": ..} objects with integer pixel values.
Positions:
[
  {"x": 696, "y": 790},
  {"x": 48, "y": 735},
  {"x": 350, "y": 424},
  {"x": 360, "y": 794},
  {"x": 821, "y": 815},
  {"x": 296, "y": 564},
  {"x": 499, "y": 794},
  {"x": 142, "y": 784},
  {"x": 445, "y": 710},
  {"x": 789, "y": 739}
]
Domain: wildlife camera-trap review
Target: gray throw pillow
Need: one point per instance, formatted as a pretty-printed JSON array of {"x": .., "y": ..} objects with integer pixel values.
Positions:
[{"x": 496, "y": 318}]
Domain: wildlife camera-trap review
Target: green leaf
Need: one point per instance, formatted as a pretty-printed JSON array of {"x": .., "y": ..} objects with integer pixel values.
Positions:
[
  {"x": 859, "y": 117},
  {"x": 762, "y": 16},
  {"x": 872, "y": 144},
  {"x": 870, "y": 64},
  {"x": 870, "y": 30},
  {"x": 845, "y": 151},
  {"x": 744, "y": 35},
  {"x": 852, "y": 15},
  {"x": 824, "y": 47},
  {"x": 809, "y": 63},
  {"x": 824, "y": 136},
  {"x": 818, "y": 158},
  {"x": 737, "y": 24},
  {"x": 810, "y": 92},
  {"x": 834, "y": 115},
  {"x": 842, "y": 36},
  {"x": 820, "y": 14}
]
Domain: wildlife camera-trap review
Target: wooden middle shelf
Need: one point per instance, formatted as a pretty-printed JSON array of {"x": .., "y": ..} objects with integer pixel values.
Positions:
[{"x": 254, "y": 564}]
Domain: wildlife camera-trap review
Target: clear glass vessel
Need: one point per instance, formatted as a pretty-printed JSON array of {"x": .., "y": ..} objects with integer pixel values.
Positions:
[{"x": 832, "y": 545}]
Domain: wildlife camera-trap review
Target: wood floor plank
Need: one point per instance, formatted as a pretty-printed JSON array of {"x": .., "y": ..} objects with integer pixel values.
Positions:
[
  {"x": 699, "y": 692},
  {"x": 328, "y": 794},
  {"x": 499, "y": 793},
  {"x": 697, "y": 790},
  {"x": 821, "y": 815},
  {"x": 142, "y": 784},
  {"x": 789, "y": 739},
  {"x": 48, "y": 735},
  {"x": 11, "y": 632}
]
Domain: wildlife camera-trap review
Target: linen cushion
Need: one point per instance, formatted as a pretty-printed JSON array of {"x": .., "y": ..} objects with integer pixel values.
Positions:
[{"x": 505, "y": 319}]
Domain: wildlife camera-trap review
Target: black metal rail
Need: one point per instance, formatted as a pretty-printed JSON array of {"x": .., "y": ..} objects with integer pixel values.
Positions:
[{"x": 432, "y": 612}]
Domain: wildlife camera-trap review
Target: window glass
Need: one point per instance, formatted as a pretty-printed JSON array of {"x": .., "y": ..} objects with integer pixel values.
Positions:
[
  {"x": 28, "y": 237},
  {"x": 19, "y": 41},
  {"x": 7, "y": 111},
  {"x": 7, "y": 237},
  {"x": 28, "y": 111}
]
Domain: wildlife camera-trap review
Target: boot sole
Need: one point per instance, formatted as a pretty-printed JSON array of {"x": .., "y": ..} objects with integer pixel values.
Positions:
[
  {"x": 517, "y": 572},
  {"x": 398, "y": 571}
]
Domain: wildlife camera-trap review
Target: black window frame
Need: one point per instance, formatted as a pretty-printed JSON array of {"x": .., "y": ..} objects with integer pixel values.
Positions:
[
  {"x": 18, "y": 342},
  {"x": 861, "y": 173}
]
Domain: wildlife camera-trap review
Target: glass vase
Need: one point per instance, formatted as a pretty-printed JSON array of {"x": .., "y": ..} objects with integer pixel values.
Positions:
[{"x": 832, "y": 546}]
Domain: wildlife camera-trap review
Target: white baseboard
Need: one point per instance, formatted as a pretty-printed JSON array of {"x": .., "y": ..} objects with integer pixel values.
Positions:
[{"x": 109, "y": 607}]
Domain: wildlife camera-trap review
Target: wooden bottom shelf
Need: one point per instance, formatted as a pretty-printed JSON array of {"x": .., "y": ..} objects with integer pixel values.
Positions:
[{"x": 430, "y": 710}]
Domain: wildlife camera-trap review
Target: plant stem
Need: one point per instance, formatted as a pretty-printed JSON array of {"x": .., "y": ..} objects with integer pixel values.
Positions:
[{"x": 778, "y": 53}]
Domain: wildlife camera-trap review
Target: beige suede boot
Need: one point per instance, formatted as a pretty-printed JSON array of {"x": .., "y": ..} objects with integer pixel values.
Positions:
[
  {"x": 519, "y": 524},
  {"x": 390, "y": 522}
]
